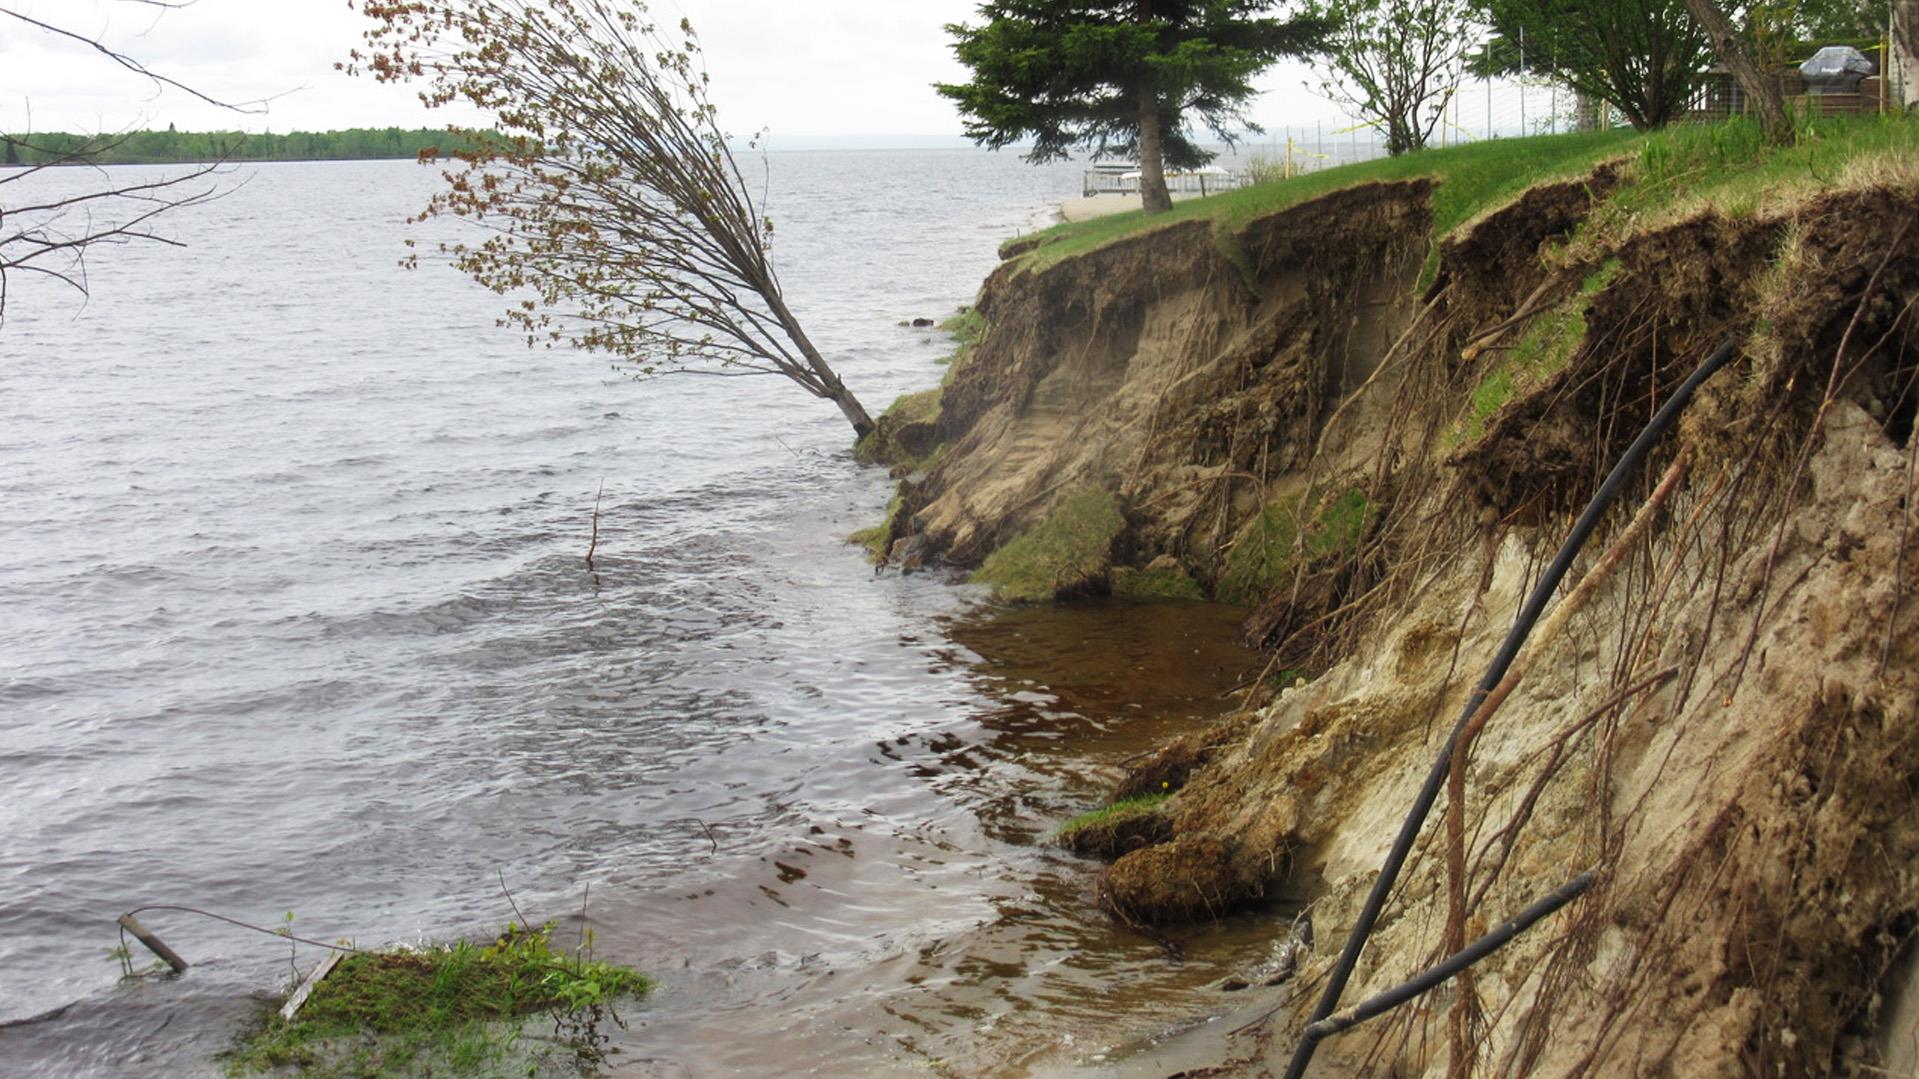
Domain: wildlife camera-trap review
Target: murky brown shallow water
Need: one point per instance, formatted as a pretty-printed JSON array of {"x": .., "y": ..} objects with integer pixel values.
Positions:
[{"x": 966, "y": 942}]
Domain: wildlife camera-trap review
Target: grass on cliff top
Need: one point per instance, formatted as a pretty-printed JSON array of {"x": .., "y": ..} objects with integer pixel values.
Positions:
[
  {"x": 1676, "y": 170},
  {"x": 1730, "y": 167},
  {"x": 446, "y": 1009},
  {"x": 1471, "y": 178},
  {"x": 1066, "y": 552}
]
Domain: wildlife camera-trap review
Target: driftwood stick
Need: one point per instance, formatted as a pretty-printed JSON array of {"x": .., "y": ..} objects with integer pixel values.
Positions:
[
  {"x": 154, "y": 944},
  {"x": 593, "y": 544}
]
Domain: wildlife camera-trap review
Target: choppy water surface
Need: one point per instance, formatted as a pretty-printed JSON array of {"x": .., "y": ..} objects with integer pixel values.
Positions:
[{"x": 294, "y": 617}]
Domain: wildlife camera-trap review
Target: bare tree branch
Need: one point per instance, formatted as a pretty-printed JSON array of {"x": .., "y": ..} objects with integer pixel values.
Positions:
[
  {"x": 50, "y": 230},
  {"x": 133, "y": 65}
]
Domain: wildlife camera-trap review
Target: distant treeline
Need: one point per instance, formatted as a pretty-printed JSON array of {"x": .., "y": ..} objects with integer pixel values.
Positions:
[{"x": 170, "y": 146}]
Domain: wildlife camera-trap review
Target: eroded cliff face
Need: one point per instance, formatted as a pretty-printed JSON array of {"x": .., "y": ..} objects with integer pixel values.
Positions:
[
  {"x": 1181, "y": 379},
  {"x": 1726, "y": 730}
]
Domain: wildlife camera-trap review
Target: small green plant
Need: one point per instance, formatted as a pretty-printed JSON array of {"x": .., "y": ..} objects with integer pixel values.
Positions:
[
  {"x": 443, "y": 1009},
  {"x": 1110, "y": 814},
  {"x": 285, "y": 929},
  {"x": 122, "y": 955},
  {"x": 1130, "y": 582},
  {"x": 1067, "y": 552},
  {"x": 1269, "y": 551}
]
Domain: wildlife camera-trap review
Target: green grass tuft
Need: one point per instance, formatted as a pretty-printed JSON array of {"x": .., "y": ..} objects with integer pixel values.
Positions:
[
  {"x": 966, "y": 327},
  {"x": 1268, "y": 552},
  {"x": 1541, "y": 353},
  {"x": 444, "y": 1009},
  {"x": 1067, "y": 552},
  {"x": 874, "y": 538},
  {"x": 1133, "y": 583},
  {"x": 903, "y": 434},
  {"x": 1109, "y": 815}
]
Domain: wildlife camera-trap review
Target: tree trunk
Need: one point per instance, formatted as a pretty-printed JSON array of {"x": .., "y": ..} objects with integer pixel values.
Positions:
[
  {"x": 823, "y": 380},
  {"x": 1762, "y": 91},
  {"x": 1585, "y": 112},
  {"x": 851, "y": 408},
  {"x": 1152, "y": 166},
  {"x": 1903, "y": 65}
]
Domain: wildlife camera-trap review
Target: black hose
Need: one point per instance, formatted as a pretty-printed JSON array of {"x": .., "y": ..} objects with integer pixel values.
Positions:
[
  {"x": 1466, "y": 957},
  {"x": 1528, "y": 615}
]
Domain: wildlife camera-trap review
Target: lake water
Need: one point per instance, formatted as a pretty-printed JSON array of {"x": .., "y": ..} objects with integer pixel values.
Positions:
[{"x": 294, "y": 617}]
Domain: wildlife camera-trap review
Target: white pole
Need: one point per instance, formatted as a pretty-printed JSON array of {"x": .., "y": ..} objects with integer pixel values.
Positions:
[{"x": 1523, "y": 132}]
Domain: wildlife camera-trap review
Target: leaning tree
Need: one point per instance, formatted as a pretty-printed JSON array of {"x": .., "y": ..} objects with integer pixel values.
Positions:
[
  {"x": 1761, "y": 90},
  {"x": 1119, "y": 77},
  {"x": 609, "y": 195}
]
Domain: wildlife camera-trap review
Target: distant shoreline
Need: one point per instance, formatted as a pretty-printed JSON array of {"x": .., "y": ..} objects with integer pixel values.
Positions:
[
  {"x": 172, "y": 147},
  {"x": 368, "y": 144},
  {"x": 88, "y": 163}
]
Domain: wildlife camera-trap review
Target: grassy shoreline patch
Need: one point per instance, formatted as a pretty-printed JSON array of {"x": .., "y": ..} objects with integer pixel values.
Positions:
[
  {"x": 444, "y": 1009},
  {"x": 1069, "y": 551},
  {"x": 1112, "y": 830}
]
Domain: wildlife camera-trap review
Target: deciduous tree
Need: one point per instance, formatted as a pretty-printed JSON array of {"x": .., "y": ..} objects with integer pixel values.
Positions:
[
  {"x": 1398, "y": 63},
  {"x": 1903, "y": 64},
  {"x": 1643, "y": 57},
  {"x": 1120, "y": 77},
  {"x": 1823, "y": 20},
  {"x": 611, "y": 201}
]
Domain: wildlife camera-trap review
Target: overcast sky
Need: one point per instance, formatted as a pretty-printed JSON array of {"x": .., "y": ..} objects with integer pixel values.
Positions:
[{"x": 798, "y": 67}]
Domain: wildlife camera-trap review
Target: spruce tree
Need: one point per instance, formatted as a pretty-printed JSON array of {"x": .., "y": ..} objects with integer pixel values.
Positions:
[{"x": 1120, "y": 78}]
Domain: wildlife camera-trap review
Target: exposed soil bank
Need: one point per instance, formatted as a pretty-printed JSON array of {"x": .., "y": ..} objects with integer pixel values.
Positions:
[{"x": 1727, "y": 728}]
